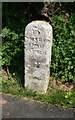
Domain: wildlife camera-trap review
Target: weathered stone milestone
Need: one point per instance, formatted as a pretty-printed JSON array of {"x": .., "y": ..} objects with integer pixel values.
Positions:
[{"x": 37, "y": 52}]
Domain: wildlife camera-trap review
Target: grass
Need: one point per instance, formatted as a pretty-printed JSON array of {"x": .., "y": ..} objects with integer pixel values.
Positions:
[{"x": 58, "y": 97}]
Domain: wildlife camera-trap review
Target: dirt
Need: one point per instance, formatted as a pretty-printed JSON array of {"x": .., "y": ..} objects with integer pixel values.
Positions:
[
  {"x": 53, "y": 84},
  {"x": 5, "y": 76}
]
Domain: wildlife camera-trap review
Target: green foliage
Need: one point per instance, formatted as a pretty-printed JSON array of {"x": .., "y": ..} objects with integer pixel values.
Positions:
[
  {"x": 62, "y": 65},
  {"x": 13, "y": 74},
  {"x": 10, "y": 75},
  {"x": 11, "y": 45},
  {"x": 70, "y": 96}
]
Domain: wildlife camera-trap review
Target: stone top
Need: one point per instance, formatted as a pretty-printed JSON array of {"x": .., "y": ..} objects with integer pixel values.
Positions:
[
  {"x": 43, "y": 26},
  {"x": 39, "y": 22}
]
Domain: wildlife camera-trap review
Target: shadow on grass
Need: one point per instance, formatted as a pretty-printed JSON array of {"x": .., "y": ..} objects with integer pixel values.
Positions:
[{"x": 17, "y": 67}]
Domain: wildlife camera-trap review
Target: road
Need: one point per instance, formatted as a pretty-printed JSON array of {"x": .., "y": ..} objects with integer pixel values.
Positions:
[{"x": 14, "y": 107}]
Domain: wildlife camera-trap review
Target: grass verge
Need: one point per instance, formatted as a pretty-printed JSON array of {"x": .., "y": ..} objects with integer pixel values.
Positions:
[{"x": 58, "y": 97}]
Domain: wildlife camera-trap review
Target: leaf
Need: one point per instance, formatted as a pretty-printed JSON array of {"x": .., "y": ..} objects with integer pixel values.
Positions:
[
  {"x": 13, "y": 74},
  {"x": 66, "y": 96}
]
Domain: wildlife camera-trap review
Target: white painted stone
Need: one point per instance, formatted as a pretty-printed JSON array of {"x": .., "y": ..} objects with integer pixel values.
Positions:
[{"x": 38, "y": 43}]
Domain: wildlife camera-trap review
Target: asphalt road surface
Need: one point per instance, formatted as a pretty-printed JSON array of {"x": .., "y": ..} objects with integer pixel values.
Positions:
[{"x": 23, "y": 108}]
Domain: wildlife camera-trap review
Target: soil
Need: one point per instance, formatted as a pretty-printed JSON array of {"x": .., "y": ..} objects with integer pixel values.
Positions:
[{"x": 53, "y": 84}]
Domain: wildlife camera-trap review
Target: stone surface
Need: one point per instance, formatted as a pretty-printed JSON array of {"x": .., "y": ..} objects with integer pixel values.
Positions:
[{"x": 37, "y": 55}]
